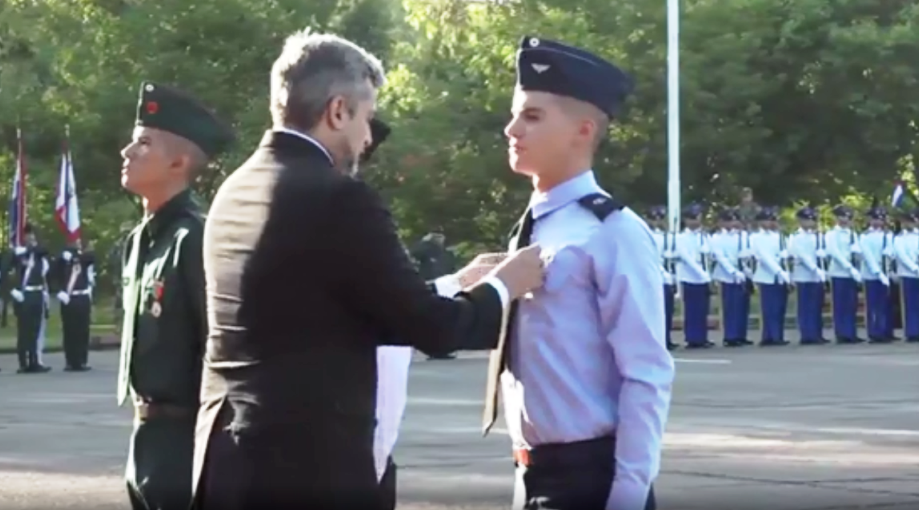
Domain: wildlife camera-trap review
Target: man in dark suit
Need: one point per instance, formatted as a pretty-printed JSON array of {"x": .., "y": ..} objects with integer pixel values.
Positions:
[{"x": 306, "y": 276}]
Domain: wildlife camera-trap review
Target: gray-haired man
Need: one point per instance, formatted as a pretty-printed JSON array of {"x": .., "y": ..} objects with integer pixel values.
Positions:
[{"x": 306, "y": 276}]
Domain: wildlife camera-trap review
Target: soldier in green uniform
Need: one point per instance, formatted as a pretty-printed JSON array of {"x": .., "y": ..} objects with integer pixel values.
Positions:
[
  {"x": 75, "y": 273},
  {"x": 29, "y": 292},
  {"x": 165, "y": 324}
]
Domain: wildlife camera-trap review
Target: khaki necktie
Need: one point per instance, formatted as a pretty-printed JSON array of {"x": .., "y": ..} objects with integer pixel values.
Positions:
[
  {"x": 131, "y": 301},
  {"x": 499, "y": 359}
]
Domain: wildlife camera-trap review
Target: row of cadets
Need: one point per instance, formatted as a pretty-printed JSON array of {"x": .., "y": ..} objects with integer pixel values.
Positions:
[
  {"x": 731, "y": 249},
  {"x": 772, "y": 278},
  {"x": 844, "y": 254},
  {"x": 693, "y": 256},
  {"x": 876, "y": 244},
  {"x": 906, "y": 253},
  {"x": 665, "y": 240},
  {"x": 806, "y": 247}
]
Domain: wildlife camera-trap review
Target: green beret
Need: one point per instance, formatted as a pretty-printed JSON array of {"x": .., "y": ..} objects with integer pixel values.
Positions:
[{"x": 172, "y": 110}]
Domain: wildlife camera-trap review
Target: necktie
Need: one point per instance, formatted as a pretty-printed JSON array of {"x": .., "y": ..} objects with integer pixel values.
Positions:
[
  {"x": 131, "y": 300},
  {"x": 499, "y": 360}
]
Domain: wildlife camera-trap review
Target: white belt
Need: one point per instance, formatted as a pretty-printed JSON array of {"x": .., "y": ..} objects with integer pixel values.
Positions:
[
  {"x": 80, "y": 292},
  {"x": 33, "y": 288}
]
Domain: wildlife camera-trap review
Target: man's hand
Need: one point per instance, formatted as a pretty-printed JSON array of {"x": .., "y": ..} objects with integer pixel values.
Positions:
[
  {"x": 522, "y": 271},
  {"x": 479, "y": 268}
]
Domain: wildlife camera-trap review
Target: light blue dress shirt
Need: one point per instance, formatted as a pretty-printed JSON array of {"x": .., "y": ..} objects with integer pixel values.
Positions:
[{"x": 588, "y": 351}]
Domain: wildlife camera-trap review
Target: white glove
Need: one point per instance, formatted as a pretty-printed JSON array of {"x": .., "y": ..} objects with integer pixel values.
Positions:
[
  {"x": 783, "y": 254},
  {"x": 739, "y": 277},
  {"x": 20, "y": 250},
  {"x": 856, "y": 248},
  {"x": 17, "y": 295},
  {"x": 63, "y": 297},
  {"x": 821, "y": 275},
  {"x": 67, "y": 256},
  {"x": 821, "y": 253},
  {"x": 855, "y": 275},
  {"x": 885, "y": 280},
  {"x": 783, "y": 277},
  {"x": 668, "y": 278}
]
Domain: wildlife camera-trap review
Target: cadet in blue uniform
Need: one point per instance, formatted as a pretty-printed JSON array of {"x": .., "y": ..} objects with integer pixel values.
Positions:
[
  {"x": 771, "y": 277},
  {"x": 586, "y": 418},
  {"x": 728, "y": 251},
  {"x": 843, "y": 251},
  {"x": 805, "y": 247},
  {"x": 906, "y": 251},
  {"x": 666, "y": 243},
  {"x": 876, "y": 245},
  {"x": 693, "y": 251}
]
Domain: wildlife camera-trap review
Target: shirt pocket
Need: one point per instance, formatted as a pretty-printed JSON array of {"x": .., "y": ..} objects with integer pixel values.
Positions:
[{"x": 563, "y": 269}]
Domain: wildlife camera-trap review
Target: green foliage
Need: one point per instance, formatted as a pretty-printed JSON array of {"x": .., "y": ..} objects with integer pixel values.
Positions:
[{"x": 811, "y": 100}]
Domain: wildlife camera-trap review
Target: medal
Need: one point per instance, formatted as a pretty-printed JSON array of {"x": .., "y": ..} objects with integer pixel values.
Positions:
[{"x": 156, "y": 309}]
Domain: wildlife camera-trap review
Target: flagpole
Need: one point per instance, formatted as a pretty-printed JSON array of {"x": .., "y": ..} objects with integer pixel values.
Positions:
[{"x": 673, "y": 114}]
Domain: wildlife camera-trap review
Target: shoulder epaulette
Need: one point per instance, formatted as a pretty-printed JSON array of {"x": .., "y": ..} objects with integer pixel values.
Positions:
[{"x": 600, "y": 205}]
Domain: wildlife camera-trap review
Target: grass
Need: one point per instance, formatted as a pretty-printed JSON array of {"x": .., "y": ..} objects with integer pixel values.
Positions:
[{"x": 103, "y": 323}]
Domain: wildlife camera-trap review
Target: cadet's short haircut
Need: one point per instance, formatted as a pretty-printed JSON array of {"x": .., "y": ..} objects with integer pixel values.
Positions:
[{"x": 314, "y": 68}]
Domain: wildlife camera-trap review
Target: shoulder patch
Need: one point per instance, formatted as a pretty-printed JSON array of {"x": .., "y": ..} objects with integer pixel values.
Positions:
[{"x": 600, "y": 205}]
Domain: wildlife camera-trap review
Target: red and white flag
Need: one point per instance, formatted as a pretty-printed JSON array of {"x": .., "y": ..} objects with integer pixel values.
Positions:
[{"x": 66, "y": 210}]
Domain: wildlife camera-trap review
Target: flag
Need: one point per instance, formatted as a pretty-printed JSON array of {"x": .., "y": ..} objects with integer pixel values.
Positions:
[
  {"x": 66, "y": 210},
  {"x": 896, "y": 199},
  {"x": 17, "y": 212}
]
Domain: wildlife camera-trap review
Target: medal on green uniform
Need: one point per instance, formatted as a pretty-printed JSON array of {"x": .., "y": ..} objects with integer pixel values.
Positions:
[{"x": 157, "y": 308}]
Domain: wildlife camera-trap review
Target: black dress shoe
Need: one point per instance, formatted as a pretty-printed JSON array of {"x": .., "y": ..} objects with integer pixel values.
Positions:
[{"x": 39, "y": 369}]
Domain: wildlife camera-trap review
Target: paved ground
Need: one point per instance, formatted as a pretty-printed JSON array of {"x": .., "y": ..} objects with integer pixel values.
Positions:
[{"x": 788, "y": 428}]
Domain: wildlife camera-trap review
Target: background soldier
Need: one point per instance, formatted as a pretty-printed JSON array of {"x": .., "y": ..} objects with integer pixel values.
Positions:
[
  {"x": 164, "y": 305},
  {"x": 29, "y": 293},
  {"x": 434, "y": 260},
  {"x": 75, "y": 274}
]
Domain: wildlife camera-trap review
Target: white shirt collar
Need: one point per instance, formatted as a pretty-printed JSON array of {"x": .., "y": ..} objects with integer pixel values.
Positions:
[{"x": 306, "y": 137}]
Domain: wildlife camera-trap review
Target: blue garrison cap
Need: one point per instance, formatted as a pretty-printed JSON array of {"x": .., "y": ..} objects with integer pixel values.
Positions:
[
  {"x": 728, "y": 215},
  {"x": 657, "y": 212},
  {"x": 556, "y": 68},
  {"x": 693, "y": 211},
  {"x": 843, "y": 211},
  {"x": 767, "y": 214},
  {"x": 876, "y": 213},
  {"x": 806, "y": 213}
]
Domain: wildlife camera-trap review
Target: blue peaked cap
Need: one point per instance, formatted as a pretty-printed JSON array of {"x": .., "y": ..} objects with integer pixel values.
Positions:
[
  {"x": 806, "y": 213},
  {"x": 556, "y": 68}
]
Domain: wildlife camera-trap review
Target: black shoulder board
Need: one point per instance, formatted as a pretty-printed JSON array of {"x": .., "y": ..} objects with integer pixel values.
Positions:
[{"x": 600, "y": 204}]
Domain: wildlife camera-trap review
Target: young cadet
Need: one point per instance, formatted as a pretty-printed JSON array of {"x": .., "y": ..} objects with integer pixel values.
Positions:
[
  {"x": 585, "y": 418},
  {"x": 906, "y": 251},
  {"x": 30, "y": 302},
  {"x": 809, "y": 278},
  {"x": 165, "y": 321},
  {"x": 876, "y": 245},
  {"x": 845, "y": 278},
  {"x": 728, "y": 248},
  {"x": 665, "y": 240},
  {"x": 771, "y": 277},
  {"x": 75, "y": 272},
  {"x": 693, "y": 254}
]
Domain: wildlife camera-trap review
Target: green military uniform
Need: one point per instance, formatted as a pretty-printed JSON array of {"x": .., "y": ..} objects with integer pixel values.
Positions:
[
  {"x": 29, "y": 292},
  {"x": 75, "y": 273},
  {"x": 165, "y": 323}
]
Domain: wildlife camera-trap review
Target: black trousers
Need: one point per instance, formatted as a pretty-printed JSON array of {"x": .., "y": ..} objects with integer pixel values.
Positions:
[
  {"x": 572, "y": 476},
  {"x": 388, "y": 486}
]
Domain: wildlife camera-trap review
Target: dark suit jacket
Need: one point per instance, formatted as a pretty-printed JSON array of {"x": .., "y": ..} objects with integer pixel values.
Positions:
[{"x": 305, "y": 276}]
